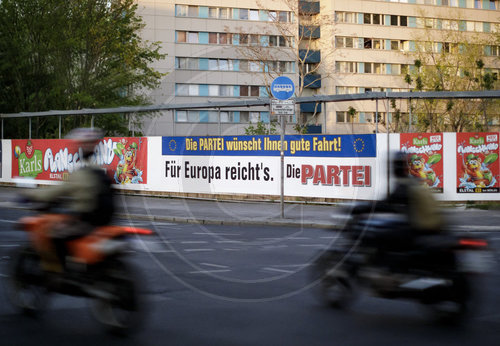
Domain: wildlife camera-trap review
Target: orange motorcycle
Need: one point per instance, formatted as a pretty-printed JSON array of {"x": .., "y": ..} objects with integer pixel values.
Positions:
[{"x": 94, "y": 268}]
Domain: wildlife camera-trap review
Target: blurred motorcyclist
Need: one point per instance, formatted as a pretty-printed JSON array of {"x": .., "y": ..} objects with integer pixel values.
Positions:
[
  {"x": 412, "y": 198},
  {"x": 87, "y": 193},
  {"x": 413, "y": 213}
]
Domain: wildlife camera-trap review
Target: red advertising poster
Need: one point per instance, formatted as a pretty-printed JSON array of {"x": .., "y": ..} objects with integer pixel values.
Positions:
[
  {"x": 477, "y": 162},
  {"x": 125, "y": 158},
  {"x": 425, "y": 157}
]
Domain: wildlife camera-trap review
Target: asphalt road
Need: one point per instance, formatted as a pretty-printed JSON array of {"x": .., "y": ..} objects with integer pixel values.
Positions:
[{"x": 240, "y": 285}]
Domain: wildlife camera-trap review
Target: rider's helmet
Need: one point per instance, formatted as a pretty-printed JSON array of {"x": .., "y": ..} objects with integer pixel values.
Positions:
[
  {"x": 400, "y": 164},
  {"x": 86, "y": 138}
]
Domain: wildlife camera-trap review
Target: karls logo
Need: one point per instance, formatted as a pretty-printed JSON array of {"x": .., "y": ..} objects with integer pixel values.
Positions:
[
  {"x": 420, "y": 141},
  {"x": 476, "y": 140}
]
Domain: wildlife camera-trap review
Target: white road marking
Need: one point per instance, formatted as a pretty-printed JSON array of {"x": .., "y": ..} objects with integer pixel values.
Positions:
[
  {"x": 227, "y": 241},
  {"x": 269, "y": 238},
  {"x": 328, "y": 237},
  {"x": 197, "y": 250},
  {"x": 214, "y": 265},
  {"x": 278, "y": 270},
  {"x": 213, "y": 233},
  {"x": 194, "y": 242},
  {"x": 291, "y": 265},
  {"x": 298, "y": 238},
  {"x": 231, "y": 249},
  {"x": 13, "y": 245},
  {"x": 210, "y": 271},
  {"x": 3, "y": 276},
  {"x": 313, "y": 245},
  {"x": 7, "y": 221}
]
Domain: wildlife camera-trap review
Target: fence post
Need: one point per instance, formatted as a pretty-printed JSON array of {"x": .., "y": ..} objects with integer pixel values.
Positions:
[
  {"x": 324, "y": 116},
  {"x": 60, "y": 126},
  {"x": 410, "y": 116},
  {"x": 173, "y": 122},
  {"x": 29, "y": 136},
  {"x": 218, "y": 120},
  {"x": 376, "y": 115}
]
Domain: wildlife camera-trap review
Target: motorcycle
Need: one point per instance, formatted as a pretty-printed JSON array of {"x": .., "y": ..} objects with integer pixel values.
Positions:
[
  {"x": 95, "y": 269},
  {"x": 434, "y": 270}
]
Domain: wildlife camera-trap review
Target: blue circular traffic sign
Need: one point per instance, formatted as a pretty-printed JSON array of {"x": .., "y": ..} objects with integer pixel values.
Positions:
[{"x": 282, "y": 88}]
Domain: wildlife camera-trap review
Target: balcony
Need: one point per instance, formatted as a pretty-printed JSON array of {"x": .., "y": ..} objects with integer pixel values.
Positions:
[
  {"x": 309, "y": 32},
  {"x": 308, "y": 7},
  {"x": 310, "y": 56},
  {"x": 312, "y": 81},
  {"x": 310, "y": 107}
]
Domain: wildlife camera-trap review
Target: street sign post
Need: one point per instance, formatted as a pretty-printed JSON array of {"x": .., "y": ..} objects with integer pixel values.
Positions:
[
  {"x": 282, "y": 89},
  {"x": 282, "y": 107}
]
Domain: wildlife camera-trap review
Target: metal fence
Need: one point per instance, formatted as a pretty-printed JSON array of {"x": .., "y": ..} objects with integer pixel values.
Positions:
[{"x": 377, "y": 97}]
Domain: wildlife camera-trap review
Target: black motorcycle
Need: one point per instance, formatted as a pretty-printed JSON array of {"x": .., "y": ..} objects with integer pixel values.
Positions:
[{"x": 379, "y": 253}]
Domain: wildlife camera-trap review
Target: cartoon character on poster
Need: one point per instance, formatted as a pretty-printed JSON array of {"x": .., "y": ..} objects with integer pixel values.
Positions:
[
  {"x": 425, "y": 157},
  {"x": 477, "y": 162},
  {"x": 421, "y": 168},
  {"x": 126, "y": 170}
]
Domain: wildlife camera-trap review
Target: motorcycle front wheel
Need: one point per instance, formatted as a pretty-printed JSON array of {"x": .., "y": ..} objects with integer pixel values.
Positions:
[
  {"x": 333, "y": 289},
  {"x": 25, "y": 285},
  {"x": 116, "y": 300}
]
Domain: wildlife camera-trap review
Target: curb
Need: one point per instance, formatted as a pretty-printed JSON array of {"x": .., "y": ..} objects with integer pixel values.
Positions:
[{"x": 201, "y": 221}]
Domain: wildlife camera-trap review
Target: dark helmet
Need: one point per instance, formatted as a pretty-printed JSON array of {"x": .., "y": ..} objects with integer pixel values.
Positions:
[
  {"x": 87, "y": 138},
  {"x": 400, "y": 164}
]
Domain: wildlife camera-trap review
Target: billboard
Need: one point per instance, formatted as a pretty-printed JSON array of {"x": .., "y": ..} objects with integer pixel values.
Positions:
[
  {"x": 425, "y": 157},
  {"x": 124, "y": 158},
  {"x": 331, "y": 166},
  {"x": 477, "y": 162}
]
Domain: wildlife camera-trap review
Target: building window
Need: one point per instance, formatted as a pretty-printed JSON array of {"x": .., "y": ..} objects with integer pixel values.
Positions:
[
  {"x": 394, "y": 20},
  {"x": 192, "y": 37},
  {"x": 181, "y": 116},
  {"x": 193, "y": 11},
  {"x": 223, "y": 38},
  {"x": 223, "y": 13},
  {"x": 226, "y": 90},
  {"x": 283, "y": 16},
  {"x": 212, "y": 12},
  {"x": 181, "y": 36},
  {"x": 341, "y": 117},
  {"x": 213, "y": 90},
  {"x": 254, "y": 15},
  {"x": 254, "y": 90},
  {"x": 243, "y": 14},
  {"x": 367, "y": 18},
  {"x": 254, "y": 117},
  {"x": 403, "y": 21},
  {"x": 181, "y": 10}
]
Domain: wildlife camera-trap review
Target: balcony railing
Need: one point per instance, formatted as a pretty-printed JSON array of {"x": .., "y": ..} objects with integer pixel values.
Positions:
[
  {"x": 309, "y": 32},
  {"x": 310, "y": 56},
  {"x": 312, "y": 81},
  {"x": 308, "y": 7},
  {"x": 310, "y": 107}
]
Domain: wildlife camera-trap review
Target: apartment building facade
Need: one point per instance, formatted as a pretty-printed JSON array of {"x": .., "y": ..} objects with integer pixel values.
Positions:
[{"x": 227, "y": 50}]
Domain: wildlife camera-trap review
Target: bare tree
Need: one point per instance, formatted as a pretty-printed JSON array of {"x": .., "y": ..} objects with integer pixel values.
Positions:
[
  {"x": 295, "y": 33},
  {"x": 451, "y": 60}
]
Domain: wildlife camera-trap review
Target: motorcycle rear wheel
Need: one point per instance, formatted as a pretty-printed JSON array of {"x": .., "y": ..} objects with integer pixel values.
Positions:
[
  {"x": 117, "y": 306},
  {"x": 456, "y": 307},
  {"x": 25, "y": 285}
]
